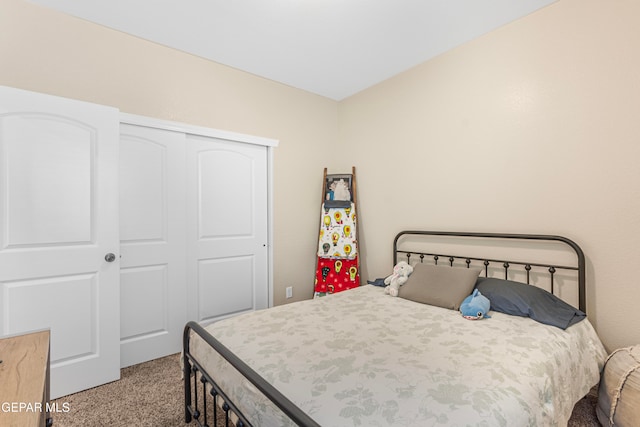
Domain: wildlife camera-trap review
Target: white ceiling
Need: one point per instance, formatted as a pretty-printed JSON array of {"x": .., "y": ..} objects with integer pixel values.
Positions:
[{"x": 334, "y": 48}]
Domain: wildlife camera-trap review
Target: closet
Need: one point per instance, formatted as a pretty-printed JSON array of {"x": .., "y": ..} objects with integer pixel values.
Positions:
[
  {"x": 117, "y": 229},
  {"x": 193, "y": 232}
]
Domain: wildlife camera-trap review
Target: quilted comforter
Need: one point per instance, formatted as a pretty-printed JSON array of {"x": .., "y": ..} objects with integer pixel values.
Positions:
[{"x": 363, "y": 358}]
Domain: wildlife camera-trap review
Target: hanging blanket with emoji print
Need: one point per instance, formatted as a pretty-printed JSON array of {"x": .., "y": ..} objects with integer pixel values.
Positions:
[
  {"x": 338, "y": 233},
  {"x": 337, "y": 251},
  {"x": 335, "y": 275}
]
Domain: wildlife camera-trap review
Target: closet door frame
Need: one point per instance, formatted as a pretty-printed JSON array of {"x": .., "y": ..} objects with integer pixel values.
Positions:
[{"x": 269, "y": 143}]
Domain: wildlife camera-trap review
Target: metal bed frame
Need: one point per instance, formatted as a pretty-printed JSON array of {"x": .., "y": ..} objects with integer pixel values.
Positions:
[
  {"x": 220, "y": 412},
  {"x": 579, "y": 265}
]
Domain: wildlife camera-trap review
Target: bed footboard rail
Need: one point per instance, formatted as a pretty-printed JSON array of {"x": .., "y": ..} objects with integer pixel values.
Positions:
[{"x": 192, "y": 366}]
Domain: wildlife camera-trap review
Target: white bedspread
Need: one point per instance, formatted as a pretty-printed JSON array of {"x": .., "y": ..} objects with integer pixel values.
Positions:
[{"x": 363, "y": 358}]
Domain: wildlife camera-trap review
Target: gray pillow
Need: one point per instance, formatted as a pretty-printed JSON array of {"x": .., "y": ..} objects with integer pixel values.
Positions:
[
  {"x": 520, "y": 299},
  {"x": 441, "y": 286}
]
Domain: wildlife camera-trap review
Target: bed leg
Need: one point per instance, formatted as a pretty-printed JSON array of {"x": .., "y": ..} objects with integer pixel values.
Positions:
[{"x": 187, "y": 389}]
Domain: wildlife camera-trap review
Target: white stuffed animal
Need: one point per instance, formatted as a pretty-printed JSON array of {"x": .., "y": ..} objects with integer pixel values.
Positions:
[{"x": 401, "y": 272}]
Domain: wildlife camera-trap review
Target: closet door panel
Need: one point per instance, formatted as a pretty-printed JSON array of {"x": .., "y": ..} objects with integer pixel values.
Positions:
[
  {"x": 226, "y": 195},
  {"x": 145, "y": 304},
  {"x": 152, "y": 233},
  {"x": 227, "y": 236},
  {"x": 143, "y": 193},
  {"x": 216, "y": 277}
]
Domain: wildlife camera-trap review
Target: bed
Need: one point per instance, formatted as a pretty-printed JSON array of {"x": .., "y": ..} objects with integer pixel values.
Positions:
[{"x": 363, "y": 358}]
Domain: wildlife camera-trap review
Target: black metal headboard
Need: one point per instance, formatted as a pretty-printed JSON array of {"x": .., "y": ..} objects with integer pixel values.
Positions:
[{"x": 503, "y": 264}]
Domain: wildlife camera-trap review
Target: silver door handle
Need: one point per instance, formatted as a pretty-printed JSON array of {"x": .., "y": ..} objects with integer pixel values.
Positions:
[{"x": 109, "y": 257}]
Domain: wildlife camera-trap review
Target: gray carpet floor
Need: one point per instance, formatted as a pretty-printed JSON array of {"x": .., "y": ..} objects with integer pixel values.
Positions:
[{"x": 151, "y": 394}]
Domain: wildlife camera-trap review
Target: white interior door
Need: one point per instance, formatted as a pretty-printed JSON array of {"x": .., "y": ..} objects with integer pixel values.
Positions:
[
  {"x": 227, "y": 236},
  {"x": 59, "y": 218},
  {"x": 153, "y": 243}
]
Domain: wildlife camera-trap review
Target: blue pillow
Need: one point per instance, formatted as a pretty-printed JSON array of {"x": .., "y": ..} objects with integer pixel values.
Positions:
[{"x": 520, "y": 299}]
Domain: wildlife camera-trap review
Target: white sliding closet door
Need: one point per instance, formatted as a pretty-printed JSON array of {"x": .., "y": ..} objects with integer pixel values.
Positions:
[
  {"x": 153, "y": 245},
  {"x": 227, "y": 236},
  {"x": 194, "y": 216},
  {"x": 59, "y": 246}
]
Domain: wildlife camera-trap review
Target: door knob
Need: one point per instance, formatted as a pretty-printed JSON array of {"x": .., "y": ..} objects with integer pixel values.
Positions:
[{"x": 109, "y": 257}]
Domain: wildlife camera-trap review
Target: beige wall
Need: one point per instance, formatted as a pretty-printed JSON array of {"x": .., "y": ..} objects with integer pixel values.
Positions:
[
  {"x": 532, "y": 128},
  {"x": 46, "y": 51}
]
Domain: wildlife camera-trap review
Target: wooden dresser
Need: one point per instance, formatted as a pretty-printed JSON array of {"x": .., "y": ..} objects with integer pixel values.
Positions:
[{"x": 24, "y": 380}]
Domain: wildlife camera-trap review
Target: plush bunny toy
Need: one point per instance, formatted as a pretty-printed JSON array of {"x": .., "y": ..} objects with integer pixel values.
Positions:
[{"x": 401, "y": 273}]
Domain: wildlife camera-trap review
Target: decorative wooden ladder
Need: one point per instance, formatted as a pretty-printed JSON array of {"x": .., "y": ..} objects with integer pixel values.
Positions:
[{"x": 338, "y": 258}]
